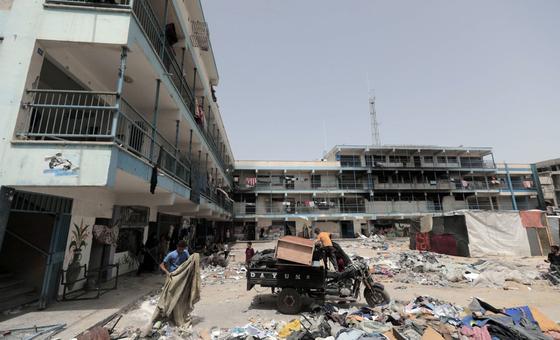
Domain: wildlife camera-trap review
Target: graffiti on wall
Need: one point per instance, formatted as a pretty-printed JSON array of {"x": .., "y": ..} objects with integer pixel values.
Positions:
[
  {"x": 59, "y": 165},
  {"x": 80, "y": 235}
]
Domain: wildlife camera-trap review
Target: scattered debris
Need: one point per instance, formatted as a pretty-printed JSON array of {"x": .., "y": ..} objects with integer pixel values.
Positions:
[
  {"x": 216, "y": 275},
  {"x": 422, "y": 318},
  {"x": 33, "y": 332}
]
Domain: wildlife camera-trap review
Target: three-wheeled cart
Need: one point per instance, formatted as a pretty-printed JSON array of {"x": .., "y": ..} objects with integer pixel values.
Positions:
[{"x": 294, "y": 281}]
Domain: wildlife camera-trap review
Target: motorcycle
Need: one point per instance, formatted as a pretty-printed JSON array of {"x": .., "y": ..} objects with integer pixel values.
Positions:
[{"x": 347, "y": 284}]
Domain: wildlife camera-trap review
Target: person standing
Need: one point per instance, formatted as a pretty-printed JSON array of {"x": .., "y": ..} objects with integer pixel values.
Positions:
[
  {"x": 175, "y": 258},
  {"x": 249, "y": 253},
  {"x": 324, "y": 239}
]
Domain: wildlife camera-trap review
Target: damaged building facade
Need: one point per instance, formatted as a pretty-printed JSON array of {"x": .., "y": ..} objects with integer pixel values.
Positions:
[
  {"x": 110, "y": 134},
  {"x": 361, "y": 189},
  {"x": 549, "y": 175}
]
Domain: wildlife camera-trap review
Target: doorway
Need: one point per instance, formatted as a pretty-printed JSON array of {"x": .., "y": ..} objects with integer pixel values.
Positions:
[
  {"x": 34, "y": 230},
  {"x": 347, "y": 229}
]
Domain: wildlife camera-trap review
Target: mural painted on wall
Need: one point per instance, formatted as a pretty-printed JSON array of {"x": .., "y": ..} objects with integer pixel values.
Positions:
[
  {"x": 59, "y": 165},
  {"x": 80, "y": 235}
]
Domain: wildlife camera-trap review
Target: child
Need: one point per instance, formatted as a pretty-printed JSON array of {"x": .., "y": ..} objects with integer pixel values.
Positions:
[{"x": 249, "y": 253}]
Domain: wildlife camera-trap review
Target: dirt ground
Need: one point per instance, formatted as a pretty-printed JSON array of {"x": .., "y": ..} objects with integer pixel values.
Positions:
[{"x": 229, "y": 304}]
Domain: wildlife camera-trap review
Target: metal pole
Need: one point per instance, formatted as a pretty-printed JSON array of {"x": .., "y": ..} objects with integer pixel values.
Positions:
[
  {"x": 194, "y": 82},
  {"x": 176, "y": 134},
  {"x": 182, "y": 68},
  {"x": 508, "y": 177},
  {"x": 190, "y": 145},
  {"x": 120, "y": 85},
  {"x": 537, "y": 184},
  {"x": 163, "y": 34},
  {"x": 176, "y": 143},
  {"x": 154, "y": 119}
]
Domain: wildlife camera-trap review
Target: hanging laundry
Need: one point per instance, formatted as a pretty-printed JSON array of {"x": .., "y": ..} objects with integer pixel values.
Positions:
[
  {"x": 251, "y": 181},
  {"x": 527, "y": 184},
  {"x": 464, "y": 183},
  {"x": 199, "y": 113}
]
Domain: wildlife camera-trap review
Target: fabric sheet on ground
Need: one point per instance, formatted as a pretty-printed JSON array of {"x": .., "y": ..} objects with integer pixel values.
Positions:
[{"x": 496, "y": 233}]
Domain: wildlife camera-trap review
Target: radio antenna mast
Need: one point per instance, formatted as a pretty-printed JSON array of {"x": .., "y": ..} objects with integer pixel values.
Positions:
[{"x": 375, "y": 138}]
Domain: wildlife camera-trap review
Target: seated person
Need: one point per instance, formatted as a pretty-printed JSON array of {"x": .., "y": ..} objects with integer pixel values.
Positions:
[{"x": 554, "y": 256}]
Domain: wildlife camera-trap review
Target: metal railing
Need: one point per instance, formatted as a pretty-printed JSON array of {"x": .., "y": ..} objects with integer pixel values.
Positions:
[
  {"x": 94, "y": 116},
  {"x": 374, "y": 207},
  {"x": 93, "y": 3},
  {"x": 423, "y": 164},
  {"x": 218, "y": 198},
  {"x": 70, "y": 114},
  {"x": 334, "y": 185},
  {"x": 154, "y": 31},
  {"x": 364, "y": 185}
]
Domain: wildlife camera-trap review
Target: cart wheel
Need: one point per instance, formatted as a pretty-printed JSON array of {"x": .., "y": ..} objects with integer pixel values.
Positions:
[
  {"x": 376, "y": 297},
  {"x": 289, "y": 301}
]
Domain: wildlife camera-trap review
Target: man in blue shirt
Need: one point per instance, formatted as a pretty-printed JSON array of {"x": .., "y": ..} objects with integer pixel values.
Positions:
[{"x": 175, "y": 258}]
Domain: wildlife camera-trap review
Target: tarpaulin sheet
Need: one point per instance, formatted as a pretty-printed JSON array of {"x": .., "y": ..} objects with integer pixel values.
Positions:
[
  {"x": 534, "y": 243},
  {"x": 426, "y": 224},
  {"x": 531, "y": 218},
  {"x": 496, "y": 233},
  {"x": 423, "y": 241},
  {"x": 180, "y": 292},
  {"x": 437, "y": 227},
  {"x": 444, "y": 244},
  {"x": 456, "y": 226},
  {"x": 554, "y": 224}
]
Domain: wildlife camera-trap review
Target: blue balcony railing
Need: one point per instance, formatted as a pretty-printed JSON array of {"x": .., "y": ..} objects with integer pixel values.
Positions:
[{"x": 154, "y": 31}]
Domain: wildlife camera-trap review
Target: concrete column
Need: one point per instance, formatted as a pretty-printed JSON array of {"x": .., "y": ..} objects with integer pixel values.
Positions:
[
  {"x": 154, "y": 119},
  {"x": 120, "y": 85}
]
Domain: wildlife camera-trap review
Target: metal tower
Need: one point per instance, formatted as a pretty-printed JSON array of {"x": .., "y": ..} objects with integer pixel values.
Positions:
[{"x": 375, "y": 138}]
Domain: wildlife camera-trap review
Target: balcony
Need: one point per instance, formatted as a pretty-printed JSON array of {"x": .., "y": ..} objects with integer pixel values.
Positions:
[
  {"x": 94, "y": 3},
  {"x": 154, "y": 32},
  {"x": 309, "y": 186},
  {"x": 389, "y": 208},
  {"x": 87, "y": 116},
  {"x": 93, "y": 117},
  {"x": 244, "y": 209},
  {"x": 430, "y": 165}
]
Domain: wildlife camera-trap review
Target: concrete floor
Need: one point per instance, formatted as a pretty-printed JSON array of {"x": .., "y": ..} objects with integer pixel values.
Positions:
[{"x": 81, "y": 315}]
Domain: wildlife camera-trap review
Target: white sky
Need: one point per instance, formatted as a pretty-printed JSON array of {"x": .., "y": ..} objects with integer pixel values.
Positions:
[{"x": 473, "y": 73}]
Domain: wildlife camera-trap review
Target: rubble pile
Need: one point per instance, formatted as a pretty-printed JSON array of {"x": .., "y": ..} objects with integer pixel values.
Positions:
[
  {"x": 422, "y": 318},
  {"x": 373, "y": 242},
  {"x": 217, "y": 275},
  {"x": 433, "y": 269}
]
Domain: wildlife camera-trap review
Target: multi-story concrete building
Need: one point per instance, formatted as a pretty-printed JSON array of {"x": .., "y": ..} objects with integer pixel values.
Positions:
[
  {"x": 95, "y": 96},
  {"x": 549, "y": 174},
  {"x": 357, "y": 188}
]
